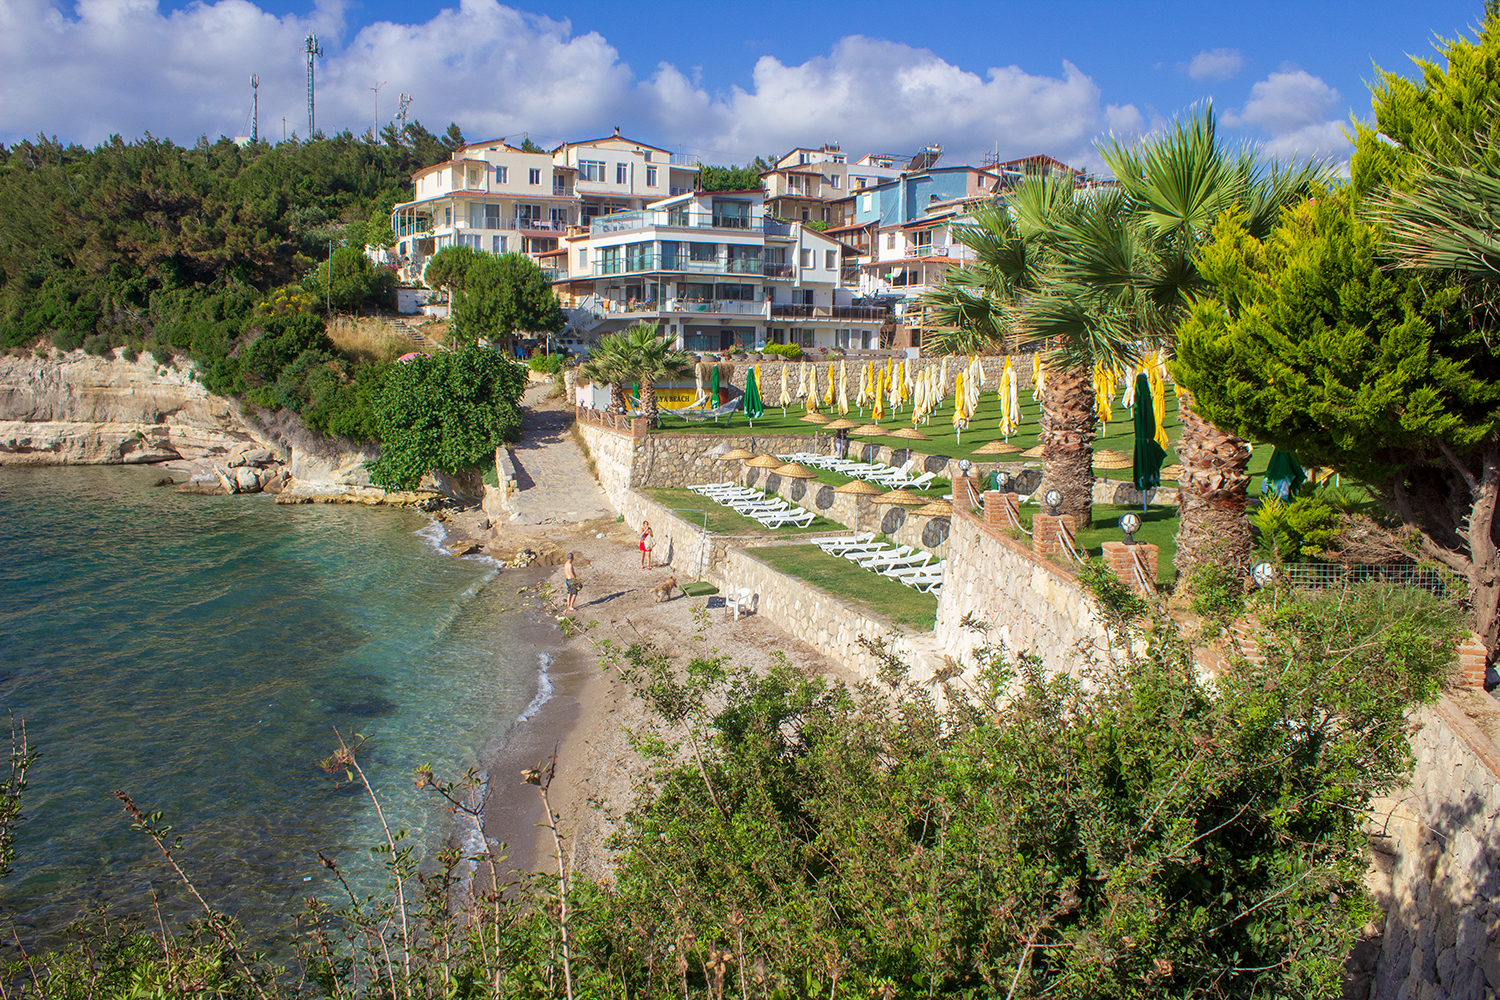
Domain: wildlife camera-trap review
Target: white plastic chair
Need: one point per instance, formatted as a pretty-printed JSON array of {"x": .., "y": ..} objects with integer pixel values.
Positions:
[{"x": 739, "y": 600}]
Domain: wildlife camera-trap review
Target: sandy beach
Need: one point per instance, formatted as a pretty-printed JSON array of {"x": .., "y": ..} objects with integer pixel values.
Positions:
[{"x": 587, "y": 718}]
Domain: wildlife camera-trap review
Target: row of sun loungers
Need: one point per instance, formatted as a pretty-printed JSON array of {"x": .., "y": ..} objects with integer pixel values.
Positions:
[
  {"x": 892, "y": 477},
  {"x": 765, "y": 508},
  {"x": 904, "y": 563}
]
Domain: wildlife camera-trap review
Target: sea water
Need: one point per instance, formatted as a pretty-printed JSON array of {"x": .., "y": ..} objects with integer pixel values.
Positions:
[{"x": 199, "y": 653}]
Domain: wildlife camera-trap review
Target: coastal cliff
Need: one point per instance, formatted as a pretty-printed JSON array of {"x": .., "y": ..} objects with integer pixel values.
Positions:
[{"x": 77, "y": 409}]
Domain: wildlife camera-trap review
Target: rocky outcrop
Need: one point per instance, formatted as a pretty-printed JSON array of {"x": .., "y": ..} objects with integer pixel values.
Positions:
[{"x": 79, "y": 409}]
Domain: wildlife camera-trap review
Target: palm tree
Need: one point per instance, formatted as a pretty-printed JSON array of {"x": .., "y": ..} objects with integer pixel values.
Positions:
[
  {"x": 1176, "y": 186},
  {"x": 607, "y": 365},
  {"x": 650, "y": 357}
]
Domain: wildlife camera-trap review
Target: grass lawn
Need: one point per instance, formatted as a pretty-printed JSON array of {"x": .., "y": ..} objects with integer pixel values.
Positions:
[
  {"x": 1118, "y": 435},
  {"x": 1158, "y": 526},
  {"x": 724, "y": 521},
  {"x": 847, "y": 581}
]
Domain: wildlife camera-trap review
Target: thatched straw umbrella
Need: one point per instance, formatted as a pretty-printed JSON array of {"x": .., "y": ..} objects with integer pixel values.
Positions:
[
  {"x": 735, "y": 455},
  {"x": 857, "y": 488},
  {"x": 869, "y": 431},
  {"x": 998, "y": 447}
]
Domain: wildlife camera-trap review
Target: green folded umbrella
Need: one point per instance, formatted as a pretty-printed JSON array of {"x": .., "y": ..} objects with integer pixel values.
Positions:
[
  {"x": 1148, "y": 454},
  {"x": 1284, "y": 476},
  {"x": 714, "y": 388},
  {"x": 752, "y": 405}
]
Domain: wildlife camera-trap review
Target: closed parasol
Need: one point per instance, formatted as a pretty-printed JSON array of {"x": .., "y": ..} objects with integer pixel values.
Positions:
[
  {"x": 753, "y": 406},
  {"x": 714, "y": 388},
  {"x": 1148, "y": 453}
]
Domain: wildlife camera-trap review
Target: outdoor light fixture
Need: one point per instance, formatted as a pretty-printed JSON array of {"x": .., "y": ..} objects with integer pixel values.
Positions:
[
  {"x": 1263, "y": 574},
  {"x": 964, "y": 465},
  {"x": 1130, "y": 524},
  {"x": 1002, "y": 480},
  {"x": 1053, "y": 498}
]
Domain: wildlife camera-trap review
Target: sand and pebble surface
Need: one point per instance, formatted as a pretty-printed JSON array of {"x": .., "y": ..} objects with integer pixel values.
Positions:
[{"x": 587, "y": 718}]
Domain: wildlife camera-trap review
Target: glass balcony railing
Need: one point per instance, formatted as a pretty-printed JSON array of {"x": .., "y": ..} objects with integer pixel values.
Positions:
[
  {"x": 621, "y": 222},
  {"x": 644, "y": 263}
]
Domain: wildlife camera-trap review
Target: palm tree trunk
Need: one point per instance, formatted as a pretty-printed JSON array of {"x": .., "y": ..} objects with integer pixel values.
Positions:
[
  {"x": 1067, "y": 439},
  {"x": 648, "y": 402},
  {"x": 617, "y": 398},
  {"x": 1213, "y": 527}
]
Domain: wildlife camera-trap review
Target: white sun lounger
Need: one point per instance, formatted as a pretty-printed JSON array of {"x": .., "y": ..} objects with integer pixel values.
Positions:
[
  {"x": 880, "y": 560},
  {"x": 798, "y": 516}
]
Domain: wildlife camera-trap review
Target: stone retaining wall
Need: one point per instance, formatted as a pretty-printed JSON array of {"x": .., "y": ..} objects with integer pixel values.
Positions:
[
  {"x": 1030, "y": 604},
  {"x": 1437, "y": 846},
  {"x": 897, "y": 523},
  {"x": 818, "y": 618}
]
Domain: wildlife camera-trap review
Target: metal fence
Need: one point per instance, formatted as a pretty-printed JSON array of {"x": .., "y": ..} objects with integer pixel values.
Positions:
[{"x": 1433, "y": 579}]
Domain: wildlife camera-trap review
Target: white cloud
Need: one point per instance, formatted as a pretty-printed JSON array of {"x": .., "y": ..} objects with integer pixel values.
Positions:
[
  {"x": 107, "y": 66},
  {"x": 1215, "y": 64},
  {"x": 1295, "y": 108}
]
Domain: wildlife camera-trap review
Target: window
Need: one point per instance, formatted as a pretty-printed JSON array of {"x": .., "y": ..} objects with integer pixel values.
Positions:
[
  {"x": 825, "y": 215},
  {"x": 528, "y": 216},
  {"x": 868, "y": 200},
  {"x": 448, "y": 215},
  {"x": 806, "y": 214},
  {"x": 401, "y": 248},
  {"x": 807, "y": 258},
  {"x": 669, "y": 255},
  {"x": 559, "y": 218},
  {"x": 646, "y": 155},
  {"x": 502, "y": 175},
  {"x": 622, "y": 173},
  {"x": 743, "y": 259},
  {"x": 696, "y": 291},
  {"x": 559, "y": 184},
  {"x": 497, "y": 244},
  {"x": 534, "y": 175},
  {"x": 890, "y": 241},
  {"x": 731, "y": 214},
  {"x": 609, "y": 261},
  {"x": 802, "y": 296},
  {"x": 801, "y": 336},
  {"x": 638, "y": 257},
  {"x": 651, "y": 177},
  {"x": 591, "y": 170},
  {"x": 736, "y": 293},
  {"x": 860, "y": 181},
  {"x": 583, "y": 258},
  {"x": 703, "y": 251},
  {"x": 830, "y": 259},
  {"x": 778, "y": 336},
  {"x": 472, "y": 241},
  {"x": 836, "y": 181},
  {"x": 922, "y": 238}
]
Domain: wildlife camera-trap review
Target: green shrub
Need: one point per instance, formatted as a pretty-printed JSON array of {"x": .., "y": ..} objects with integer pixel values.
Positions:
[
  {"x": 1218, "y": 594},
  {"x": 130, "y": 353},
  {"x": 546, "y": 364},
  {"x": 789, "y": 351},
  {"x": 1296, "y": 530}
]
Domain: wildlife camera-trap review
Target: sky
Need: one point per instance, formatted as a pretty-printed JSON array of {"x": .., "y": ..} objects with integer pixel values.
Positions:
[{"x": 721, "y": 83}]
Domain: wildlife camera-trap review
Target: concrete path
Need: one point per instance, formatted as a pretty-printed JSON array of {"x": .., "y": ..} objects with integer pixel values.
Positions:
[{"x": 554, "y": 482}]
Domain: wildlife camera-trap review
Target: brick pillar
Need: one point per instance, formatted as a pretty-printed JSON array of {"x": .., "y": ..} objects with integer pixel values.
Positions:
[
  {"x": 1121, "y": 562},
  {"x": 965, "y": 489},
  {"x": 639, "y": 427},
  {"x": 1045, "y": 539},
  {"x": 995, "y": 504},
  {"x": 1242, "y": 636},
  {"x": 1471, "y": 659}
]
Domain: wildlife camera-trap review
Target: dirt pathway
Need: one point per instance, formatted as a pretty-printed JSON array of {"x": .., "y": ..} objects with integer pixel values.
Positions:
[{"x": 555, "y": 486}]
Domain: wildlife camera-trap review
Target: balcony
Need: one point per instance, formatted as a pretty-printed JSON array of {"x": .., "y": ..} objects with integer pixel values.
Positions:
[
  {"x": 778, "y": 271},
  {"x": 523, "y": 223},
  {"x": 621, "y": 222},
  {"x": 678, "y": 264},
  {"x": 863, "y": 314},
  {"x": 775, "y": 227},
  {"x": 721, "y": 307},
  {"x": 927, "y": 251}
]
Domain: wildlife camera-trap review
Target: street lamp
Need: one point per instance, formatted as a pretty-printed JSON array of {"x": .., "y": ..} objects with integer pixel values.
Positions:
[{"x": 1053, "y": 498}]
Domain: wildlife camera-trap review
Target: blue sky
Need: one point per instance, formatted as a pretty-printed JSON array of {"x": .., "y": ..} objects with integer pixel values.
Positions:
[{"x": 877, "y": 75}]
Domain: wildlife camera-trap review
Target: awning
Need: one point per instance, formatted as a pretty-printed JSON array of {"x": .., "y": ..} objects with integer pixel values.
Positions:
[{"x": 897, "y": 274}]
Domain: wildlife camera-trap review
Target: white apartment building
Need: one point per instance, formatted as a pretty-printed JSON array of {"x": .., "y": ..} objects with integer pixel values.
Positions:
[
  {"x": 496, "y": 198},
  {"x": 491, "y": 197},
  {"x": 615, "y": 174},
  {"x": 714, "y": 273}
]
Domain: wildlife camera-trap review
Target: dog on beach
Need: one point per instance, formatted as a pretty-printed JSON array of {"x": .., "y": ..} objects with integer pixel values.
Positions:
[{"x": 663, "y": 591}]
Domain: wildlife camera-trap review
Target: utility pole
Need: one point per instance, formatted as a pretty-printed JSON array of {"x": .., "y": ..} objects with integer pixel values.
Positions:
[
  {"x": 255, "y": 114},
  {"x": 375, "y": 129},
  {"x": 313, "y": 49},
  {"x": 328, "y": 287}
]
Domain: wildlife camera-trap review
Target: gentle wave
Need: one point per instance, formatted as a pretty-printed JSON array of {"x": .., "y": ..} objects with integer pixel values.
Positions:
[{"x": 543, "y": 687}]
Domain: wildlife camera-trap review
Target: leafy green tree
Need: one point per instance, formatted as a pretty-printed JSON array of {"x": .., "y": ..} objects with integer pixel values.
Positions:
[
  {"x": 1313, "y": 344},
  {"x": 505, "y": 294},
  {"x": 449, "y": 267},
  {"x": 527, "y": 146},
  {"x": 355, "y": 281},
  {"x": 732, "y": 178},
  {"x": 447, "y": 412}
]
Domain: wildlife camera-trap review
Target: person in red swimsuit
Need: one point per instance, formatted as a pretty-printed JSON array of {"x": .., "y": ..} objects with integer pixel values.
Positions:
[{"x": 647, "y": 541}]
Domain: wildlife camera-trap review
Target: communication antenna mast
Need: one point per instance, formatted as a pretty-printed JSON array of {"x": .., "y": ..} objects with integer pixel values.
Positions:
[
  {"x": 314, "y": 50},
  {"x": 405, "y": 103},
  {"x": 376, "y": 127},
  {"x": 255, "y": 113}
]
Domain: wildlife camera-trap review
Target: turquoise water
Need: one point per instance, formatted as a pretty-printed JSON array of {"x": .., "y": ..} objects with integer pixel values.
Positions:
[{"x": 197, "y": 653}]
